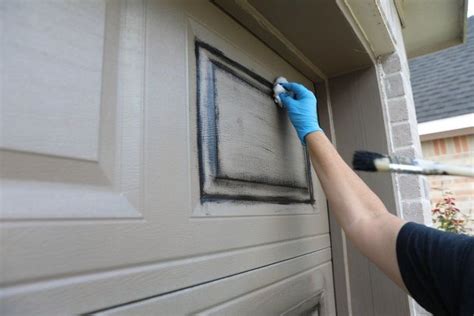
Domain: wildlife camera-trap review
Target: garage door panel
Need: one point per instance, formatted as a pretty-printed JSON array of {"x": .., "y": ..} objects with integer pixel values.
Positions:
[
  {"x": 78, "y": 294},
  {"x": 71, "y": 145},
  {"x": 301, "y": 286}
]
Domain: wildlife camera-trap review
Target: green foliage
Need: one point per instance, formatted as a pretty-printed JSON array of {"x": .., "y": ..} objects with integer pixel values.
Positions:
[{"x": 446, "y": 216}]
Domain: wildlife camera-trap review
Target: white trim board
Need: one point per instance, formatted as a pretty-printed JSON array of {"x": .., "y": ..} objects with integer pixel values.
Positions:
[{"x": 448, "y": 127}]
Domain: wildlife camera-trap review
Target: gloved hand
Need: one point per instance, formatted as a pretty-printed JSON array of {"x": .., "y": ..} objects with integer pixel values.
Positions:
[{"x": 301, "y": 109}]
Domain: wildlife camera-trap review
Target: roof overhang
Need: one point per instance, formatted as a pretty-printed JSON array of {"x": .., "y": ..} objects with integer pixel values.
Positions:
[
  {"x": 448, "y": 127},
  {"x": 322, "y": 39},
  {"x": 327, "y": 38},
  {"x": 431, "y": 25}
]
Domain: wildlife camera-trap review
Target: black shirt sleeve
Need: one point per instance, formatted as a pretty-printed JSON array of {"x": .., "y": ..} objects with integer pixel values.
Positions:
[{"x": 437, "y": 268}]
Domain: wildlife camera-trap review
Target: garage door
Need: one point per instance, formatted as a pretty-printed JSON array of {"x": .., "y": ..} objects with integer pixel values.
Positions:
[{"x": 141, "y": 153}]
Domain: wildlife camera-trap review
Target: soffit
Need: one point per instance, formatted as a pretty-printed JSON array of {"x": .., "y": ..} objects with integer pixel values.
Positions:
[
  {"x": 432, "y": 25},
  {"x": 314, "y": 36}
]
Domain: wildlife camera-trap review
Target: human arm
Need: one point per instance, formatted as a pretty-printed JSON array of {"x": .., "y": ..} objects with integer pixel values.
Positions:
[
  {"x": 360, "y": 213},
  {"x": 434, "y": 267}
]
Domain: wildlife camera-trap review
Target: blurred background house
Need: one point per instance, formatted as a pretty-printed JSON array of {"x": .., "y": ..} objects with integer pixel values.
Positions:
[{"x": 443, "y": 89}]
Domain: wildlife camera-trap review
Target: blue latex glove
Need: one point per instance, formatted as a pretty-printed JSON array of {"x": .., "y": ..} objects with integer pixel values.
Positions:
[{"x": 301, "y": 109}]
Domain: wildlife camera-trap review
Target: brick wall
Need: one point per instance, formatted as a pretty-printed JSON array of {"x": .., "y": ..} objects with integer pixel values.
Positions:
[
  {"x": 412, "y": 191},
  {"x": 454, "y": 150},
  {"x": 412, "y": 194}
]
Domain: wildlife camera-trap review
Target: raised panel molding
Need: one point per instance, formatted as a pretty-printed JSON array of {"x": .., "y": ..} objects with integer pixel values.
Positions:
[
  {"x": 248, "y": 150},
  {"x": 72, "y": 124}
]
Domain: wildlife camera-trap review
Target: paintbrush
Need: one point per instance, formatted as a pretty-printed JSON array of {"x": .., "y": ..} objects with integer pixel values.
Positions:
[{"x": 370, "y": 161}]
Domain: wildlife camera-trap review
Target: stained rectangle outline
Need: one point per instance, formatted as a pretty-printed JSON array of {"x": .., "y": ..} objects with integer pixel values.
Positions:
[{"x": 213, "y": 148}]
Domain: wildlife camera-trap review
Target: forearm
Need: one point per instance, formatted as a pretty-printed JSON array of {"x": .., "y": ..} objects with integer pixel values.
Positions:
[
  {"x": 338, "y": 180},
  {"x": 360, "y": 213}
]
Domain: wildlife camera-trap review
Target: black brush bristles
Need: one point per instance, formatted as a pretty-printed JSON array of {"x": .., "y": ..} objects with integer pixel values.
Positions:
[{"x": 364, "y": 160}]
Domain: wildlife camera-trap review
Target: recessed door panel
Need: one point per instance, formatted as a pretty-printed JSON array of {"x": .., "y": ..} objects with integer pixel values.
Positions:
[
  {"x": 248, "y": 150},
  {"x": 72, "y": 110}
]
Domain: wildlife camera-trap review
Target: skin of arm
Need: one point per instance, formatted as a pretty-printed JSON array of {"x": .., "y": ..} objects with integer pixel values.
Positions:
[{"x": 358, "y": 210}]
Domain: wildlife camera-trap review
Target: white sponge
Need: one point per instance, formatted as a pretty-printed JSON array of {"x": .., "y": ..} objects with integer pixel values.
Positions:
[{"x": 277, "y": 89}]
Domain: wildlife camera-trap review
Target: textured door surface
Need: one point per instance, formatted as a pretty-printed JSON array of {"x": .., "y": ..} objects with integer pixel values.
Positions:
[
  {"x": 141, "y": 153},
  {"x": 296, "y": 287}
]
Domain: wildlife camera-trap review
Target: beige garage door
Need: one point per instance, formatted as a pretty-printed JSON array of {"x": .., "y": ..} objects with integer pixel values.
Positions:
[{"x": 141, "y": 153}]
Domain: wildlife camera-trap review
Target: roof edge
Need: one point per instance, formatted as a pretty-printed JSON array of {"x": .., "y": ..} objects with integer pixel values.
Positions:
[{"x": 447, "y": 127}]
